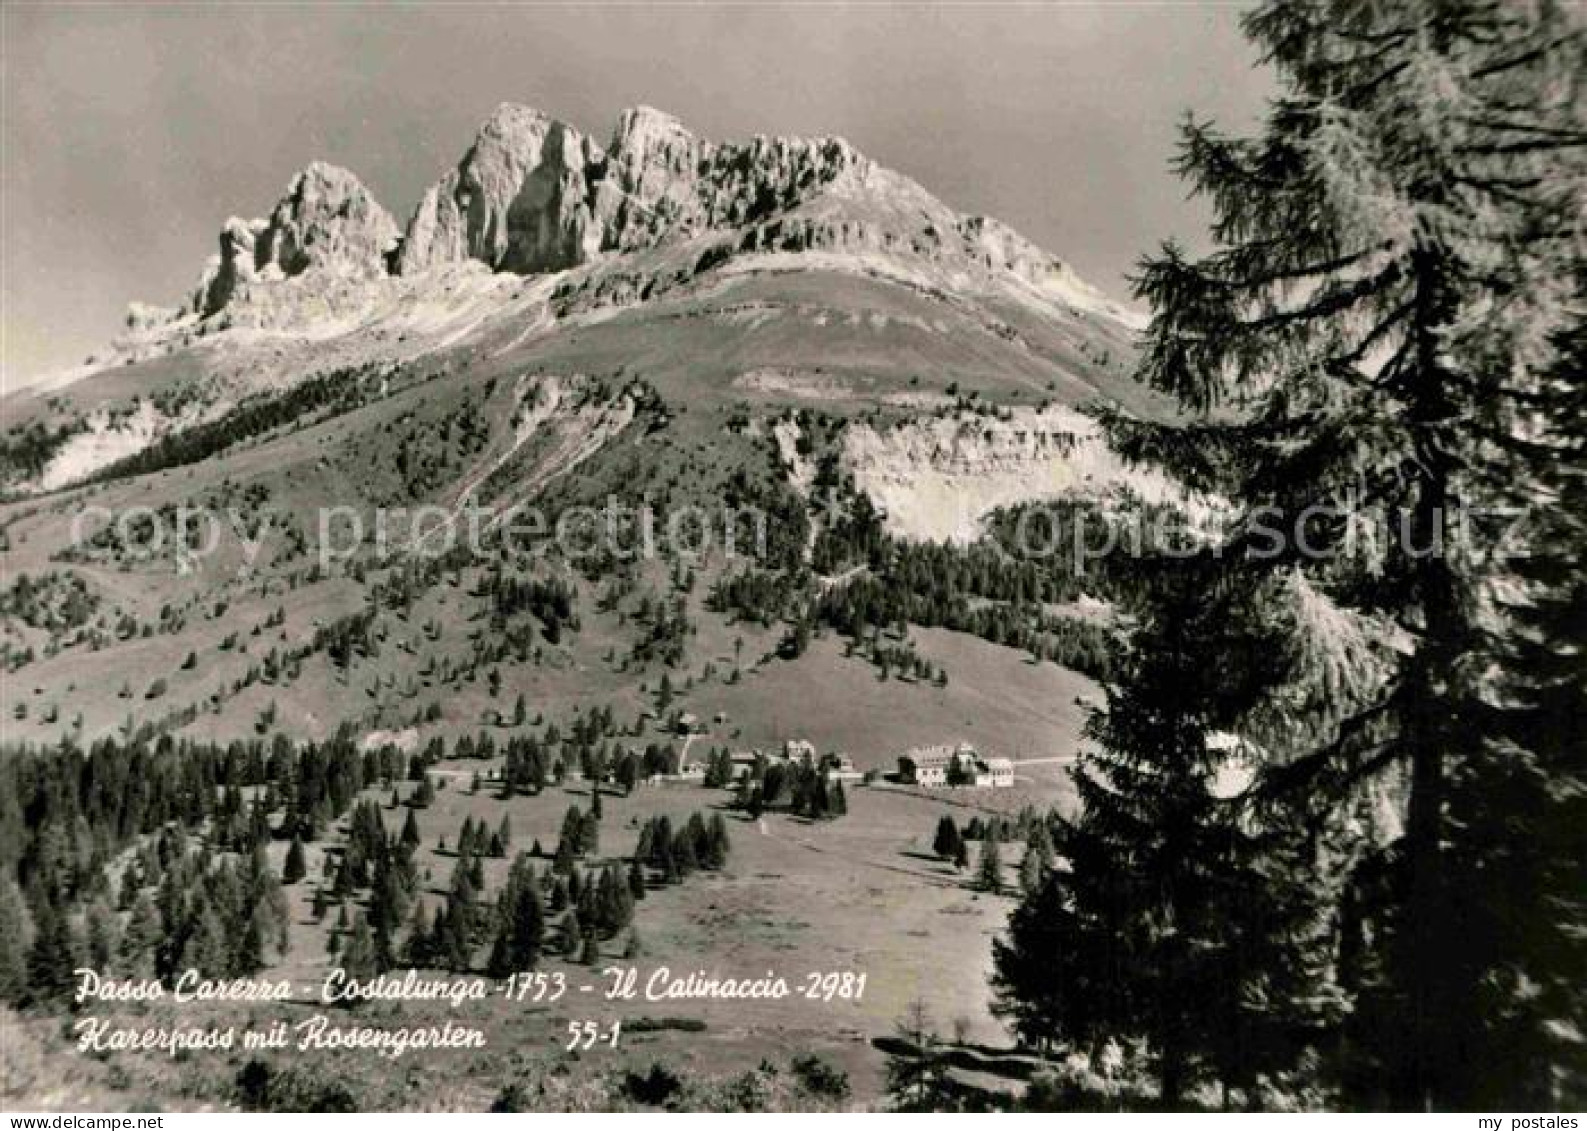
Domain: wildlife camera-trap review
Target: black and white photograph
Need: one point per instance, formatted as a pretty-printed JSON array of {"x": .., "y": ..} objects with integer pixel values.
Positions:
[{"x": 820, "y": 557}]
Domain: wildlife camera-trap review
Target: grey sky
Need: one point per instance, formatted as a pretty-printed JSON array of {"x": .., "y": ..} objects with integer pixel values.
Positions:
[{"x": 130, "y": 133}]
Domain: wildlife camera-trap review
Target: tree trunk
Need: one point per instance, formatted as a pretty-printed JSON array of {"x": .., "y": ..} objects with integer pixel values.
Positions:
[
  {"x": 1430, "y": 726},
  {"x": 1171, "y": 1079}
]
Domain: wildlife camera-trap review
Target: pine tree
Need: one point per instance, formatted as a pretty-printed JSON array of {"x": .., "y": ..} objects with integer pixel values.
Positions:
[
  {"x": 250, "y": 954},
  {"x": 611, "y": 904},
  {"x": 16, "y": 938},
  {"x": 1057, "y": 979},
  {"x": 387, "y": 907},
  {"x": 622, "y": 899},
  {"x": 961, "y": 856},
  {"x": 208, "y": 947},
  {"x": 682, "y": 859},
  {"x": 719, "y": 843},
  {"x": 1173, "y": 921},
  {"x": 917, "y": 1074},
  {"x": 520, "y": 921},
  {"x": 946, "y": 842},
  {"x": 1369, "y": 352},
  {"x": 570, "y": 842},
  {"x": 1031, "y": 871},
  {"x": 294, "y": 868},
  {"x": 699, "y": 839},
  {"x": 140, "y": 941},
  {"x": 102, "y": 933},
  {"x": 455, "y": 947},
  {"x": 1038, "y": 842},
  {"x": 1522, "y": 884},
  {"x": 418, "y": 950},
  {"x": 563, "y": 863},
  {"x": 358, "y": 957},
  {"x": 989, "y": 873},
  {"x": 343, "y": 885}
]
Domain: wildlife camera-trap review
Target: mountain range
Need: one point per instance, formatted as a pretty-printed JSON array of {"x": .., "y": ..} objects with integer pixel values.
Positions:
[
  {"x": 664, "y": 319},
  {"x": 539, "y": 227},
  {"x": 315, "y": 515}
]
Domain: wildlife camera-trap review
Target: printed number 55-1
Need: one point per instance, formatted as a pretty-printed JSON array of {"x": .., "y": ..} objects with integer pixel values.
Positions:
[{"x": 587, "y": 1034}]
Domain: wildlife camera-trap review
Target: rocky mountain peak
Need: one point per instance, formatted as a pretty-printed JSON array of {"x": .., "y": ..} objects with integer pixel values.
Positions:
[
  {"x": 649, "y": 185},
  {"x": 326, "y": 221},
  {"x": 638, "y": 125},
  {"x": 532, "y": 194},
  {"x": 516, "y": 201}
]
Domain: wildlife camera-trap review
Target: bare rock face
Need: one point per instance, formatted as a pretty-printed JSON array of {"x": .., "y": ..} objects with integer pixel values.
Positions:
[
  {"x": 750, "y": 182},
  {"x": 533, "y": 195},
  {"x": 662, "y": 183},
  {"x": 518, "y": 201},
  {"x": 327, "y": 221},
  {"x": 650, "y": 185},
  {"x": 230, "y": 269}
]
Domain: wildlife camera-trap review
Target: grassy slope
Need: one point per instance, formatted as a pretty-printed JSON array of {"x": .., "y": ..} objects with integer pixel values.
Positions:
[
  {"x": 995, "y": 698},
  {"x": 857, "y": 894},
  {"x": 860, "y": 894}
]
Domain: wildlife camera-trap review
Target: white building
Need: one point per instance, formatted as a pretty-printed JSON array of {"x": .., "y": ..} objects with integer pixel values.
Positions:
[
  {"x": 926, "y": 765},
  {"x": 1000, "y": 772},
  {"x": 933, "y": 766}
]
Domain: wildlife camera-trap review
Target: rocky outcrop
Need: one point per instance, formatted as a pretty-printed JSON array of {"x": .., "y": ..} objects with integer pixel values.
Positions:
[
  {"x": 750, "y": 182},
  {"x": 662, "y": 183},
  {"x": 232, "y": 268},
  {"x": 938, "y": 478},
  {"x": 518, "y": 201},
  {"x": 533, "y": 195},
  {"x": 327, "y": 221},
  {"x": 649, "y": 188}
]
